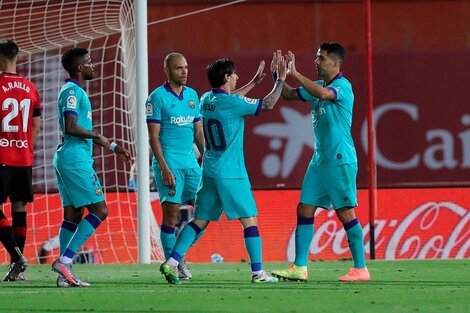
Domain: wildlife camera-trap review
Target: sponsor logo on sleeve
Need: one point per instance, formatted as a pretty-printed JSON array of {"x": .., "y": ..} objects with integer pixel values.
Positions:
[
  {"x": 250, "y": 101},
  {"x": 149, "y": 109},
  {"x": 71, "y": 102}
]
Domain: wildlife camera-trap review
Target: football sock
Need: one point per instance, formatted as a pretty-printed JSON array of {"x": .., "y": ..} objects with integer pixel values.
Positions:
[
  {"x": 198, "y": 236},
  {"x": 19, "y": 228},
  {"x": 168, "y": 239},
  {"x": 7, "y": 239},
  {"x": 85, "y": 229},
  {"x": 186, "y": 237},
  {"x": 66, "y": 232},
  {"x": 253, "y": 246},
  {"x": 303, "y": 239},
  {"x": 356, "y": 242}
]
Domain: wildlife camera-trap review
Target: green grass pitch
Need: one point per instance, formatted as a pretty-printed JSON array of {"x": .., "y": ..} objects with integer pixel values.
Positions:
[{"x": 397, "y": 286}]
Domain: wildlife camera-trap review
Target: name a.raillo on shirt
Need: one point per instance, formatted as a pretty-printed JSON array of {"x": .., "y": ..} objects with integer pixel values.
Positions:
[{"x": 18, "y": 85}]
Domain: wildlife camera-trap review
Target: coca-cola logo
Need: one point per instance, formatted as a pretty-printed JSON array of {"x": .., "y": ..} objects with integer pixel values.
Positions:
[{"x": 433, "y": 230}]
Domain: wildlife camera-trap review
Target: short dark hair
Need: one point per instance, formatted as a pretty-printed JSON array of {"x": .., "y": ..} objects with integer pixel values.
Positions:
[
  {"x": 9, "y": 49},
  {"x": 335, "y": 49},
  {"x": 70, "y": 59},
  {"x": 216, "y": 71}
]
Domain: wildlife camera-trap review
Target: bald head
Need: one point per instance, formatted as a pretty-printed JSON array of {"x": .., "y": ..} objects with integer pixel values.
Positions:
[
  {"x": 176, "y": 69},
  {"x": 170, "y": 58}
]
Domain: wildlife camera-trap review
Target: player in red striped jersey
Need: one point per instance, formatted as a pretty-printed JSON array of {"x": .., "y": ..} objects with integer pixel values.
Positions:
[{"x": 19, "y": 126}]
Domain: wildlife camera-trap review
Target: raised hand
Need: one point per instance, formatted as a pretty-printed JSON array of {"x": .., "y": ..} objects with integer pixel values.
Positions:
[
  {"x": 282, "y": 68},
  {"x": 274, "y": 62},
  {"x": 291, "y": 63},
  {"x": 259, "y": 76}
]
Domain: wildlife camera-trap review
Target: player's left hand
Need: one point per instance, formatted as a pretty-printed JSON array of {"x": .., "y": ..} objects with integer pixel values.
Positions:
[
  {"x": 123, "y": 153},
  {"x": 291, "y": 69}
]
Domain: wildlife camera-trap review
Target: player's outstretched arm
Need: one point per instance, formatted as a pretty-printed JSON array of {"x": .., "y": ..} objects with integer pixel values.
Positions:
[
  {"x": 270, "y": 100},
  {"x": 73, "y": 129},
  {"x": 256, "y": 80},
  {"x": 313, "y": 88}
]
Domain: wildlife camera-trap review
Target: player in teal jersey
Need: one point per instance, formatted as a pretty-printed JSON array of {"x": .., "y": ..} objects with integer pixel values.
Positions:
[
  {"x": 78, "y": 184},
  {"x": 331, "y": 175},
  {"x": 174, "y": 125},
  {"x": 225, "y": 186}
]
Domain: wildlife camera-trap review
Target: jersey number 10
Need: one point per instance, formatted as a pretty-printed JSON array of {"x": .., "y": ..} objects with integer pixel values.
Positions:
[{"x": 214, "y": 135}]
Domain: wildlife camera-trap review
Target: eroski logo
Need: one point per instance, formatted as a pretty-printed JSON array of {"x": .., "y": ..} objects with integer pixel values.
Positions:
[
  {"x": 181, "y": 120},
  {"x": 297, "y": 130}
]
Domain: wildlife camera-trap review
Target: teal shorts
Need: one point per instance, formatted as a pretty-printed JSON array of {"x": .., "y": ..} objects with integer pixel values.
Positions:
[
  {"x": 217, "y": 195},
  {"x": 187, "y": 181},
  {"x": 79, "y": 187},
  {"x": 330, "y": 186}
]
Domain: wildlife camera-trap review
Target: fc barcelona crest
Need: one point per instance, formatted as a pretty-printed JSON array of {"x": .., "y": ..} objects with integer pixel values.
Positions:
[
  {"x": 171, "y": 192},
  {"x": 99, "y": 192},
  {"x": 191, "y": 104}
]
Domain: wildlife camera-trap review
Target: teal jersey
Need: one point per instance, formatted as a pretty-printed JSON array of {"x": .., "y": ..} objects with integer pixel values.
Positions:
[
  {"x": 332, "y": 122},
  {"x": 223, "y": 116},
  {"x": 73, "y": 151},
  {"x": 176, "y": 116}
]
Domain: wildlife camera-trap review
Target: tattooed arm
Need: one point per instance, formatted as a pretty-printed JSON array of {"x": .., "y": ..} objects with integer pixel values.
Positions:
[{"x": 270, "y": 100}]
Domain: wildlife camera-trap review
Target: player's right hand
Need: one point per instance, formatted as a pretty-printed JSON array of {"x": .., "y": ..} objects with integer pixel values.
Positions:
[
  {"x": 168, "y": 177},
  {"x": 259, "y": 76}
]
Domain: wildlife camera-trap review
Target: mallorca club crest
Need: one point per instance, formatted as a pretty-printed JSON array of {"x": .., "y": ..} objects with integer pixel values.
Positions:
[{"x": 191, "y": 104}]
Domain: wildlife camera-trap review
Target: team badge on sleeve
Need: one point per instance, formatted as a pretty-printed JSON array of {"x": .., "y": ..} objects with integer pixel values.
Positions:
[
  {"x": 191, "y": 104},
  {"x": 71, "y": 102}
]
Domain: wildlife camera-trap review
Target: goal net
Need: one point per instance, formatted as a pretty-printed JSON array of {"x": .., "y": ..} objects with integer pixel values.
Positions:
[{"x": 44, "y": 30}]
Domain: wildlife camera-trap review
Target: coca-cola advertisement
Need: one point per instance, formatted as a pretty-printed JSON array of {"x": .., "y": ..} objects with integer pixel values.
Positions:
[{"x": 409, "y": 224}]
